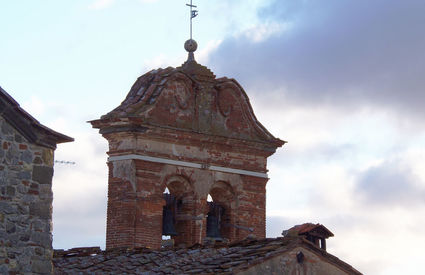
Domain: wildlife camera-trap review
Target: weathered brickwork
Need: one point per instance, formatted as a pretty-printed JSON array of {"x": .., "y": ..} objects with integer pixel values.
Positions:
[
  {"x": 135, "y": 214},
  {"x": 185, "y": 131},
  {"x": 26, "y": 172}
]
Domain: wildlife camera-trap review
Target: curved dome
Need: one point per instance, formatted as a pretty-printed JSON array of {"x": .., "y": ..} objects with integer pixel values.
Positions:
[{"x": 190, "y": 98}]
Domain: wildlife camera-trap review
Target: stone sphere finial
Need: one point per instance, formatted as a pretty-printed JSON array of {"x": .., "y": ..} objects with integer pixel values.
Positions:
[{"x": 190, "y": 45}]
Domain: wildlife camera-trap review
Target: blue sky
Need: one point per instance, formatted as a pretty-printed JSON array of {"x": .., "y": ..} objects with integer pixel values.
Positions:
[{"x": 341, "y": 80}]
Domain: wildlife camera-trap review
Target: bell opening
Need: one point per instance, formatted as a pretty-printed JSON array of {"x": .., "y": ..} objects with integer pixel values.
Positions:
[
  {"x": 169, "y": 216},
  {"x": 221, "y": 224},
  {"x": 214, "y": 220},
  {"x": 178, "y": 212}
]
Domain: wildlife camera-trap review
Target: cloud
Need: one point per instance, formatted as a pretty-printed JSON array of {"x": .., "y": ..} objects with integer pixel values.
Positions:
[
  {"x": 163, "y": 60},
  {"x": 276, "y": 224},
  {"x": 262, "y": 32},
  {"x": 79, "y": 219},
  {"x": 338, "y": 80},
  {"x": 80, "y": 192},
  {"x": 34, "y": 106},
  {"x": 355, "y": 172},
  {"x": 342, "y": 53},
  {"x": 391, "y": 184},
  {"x": 202, "y": 56},
  {"x": 101, "y": 4}
]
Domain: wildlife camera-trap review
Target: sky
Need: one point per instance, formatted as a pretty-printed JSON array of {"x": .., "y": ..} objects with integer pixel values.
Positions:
[{"x": 342, "y": 81}]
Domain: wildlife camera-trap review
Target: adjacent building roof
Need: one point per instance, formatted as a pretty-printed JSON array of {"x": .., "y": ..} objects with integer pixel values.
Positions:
[
  {"x": 311, "y": 228},
  {"x": 229, "y": 259},
  {"x": 27, "y": 125}
]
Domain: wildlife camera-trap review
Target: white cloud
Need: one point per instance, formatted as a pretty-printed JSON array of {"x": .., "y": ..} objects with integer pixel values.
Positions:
[
  {"x": 203, "y": 54},
  {"x": 263, "y": 31},
  {"x": 101, "y": 4},
  {"x": 342, "y": 82},
  {"x": 34, "y": 106},
  {"x": 161, "y": 61},
  {"x": 341, "y": 54},
  {"x": 80, "y": 192},
  {"x": 358, "y": 173}
]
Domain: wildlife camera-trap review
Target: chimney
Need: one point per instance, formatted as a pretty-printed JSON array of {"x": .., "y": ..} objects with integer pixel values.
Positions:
[{"x": 315, "y": 233}]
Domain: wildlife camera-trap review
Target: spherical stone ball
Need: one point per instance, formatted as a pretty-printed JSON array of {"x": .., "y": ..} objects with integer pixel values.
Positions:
[{"x": 190, "y": 45}]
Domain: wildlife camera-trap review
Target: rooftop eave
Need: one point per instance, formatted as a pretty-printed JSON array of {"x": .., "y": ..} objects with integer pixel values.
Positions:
[{"x": 27, "y": 125}]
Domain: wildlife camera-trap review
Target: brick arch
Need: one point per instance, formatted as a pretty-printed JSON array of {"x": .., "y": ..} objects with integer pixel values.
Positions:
[
  {"x": 185, "y": 208},
  {"x": 223, "y": 194},
  {"x": 179, "y": 185}
]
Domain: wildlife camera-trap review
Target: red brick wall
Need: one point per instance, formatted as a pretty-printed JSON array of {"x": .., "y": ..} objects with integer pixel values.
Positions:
[
  {"x": 252, "y": 208},
  {"x": 185, "y": 114},
  {"x": 135, "y": 195},
  {"x": 121, "y": 213}
]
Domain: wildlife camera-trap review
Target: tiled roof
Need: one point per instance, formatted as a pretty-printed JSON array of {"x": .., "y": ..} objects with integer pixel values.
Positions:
[
  {"x": 309, "y": 227},
  {"x": 173, "y": 98},
  {"x": 27, "y": 125},
  {"x": 196, "y": 260}
]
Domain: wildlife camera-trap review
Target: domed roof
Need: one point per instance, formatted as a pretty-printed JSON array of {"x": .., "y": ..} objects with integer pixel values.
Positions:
[{"x": 191, "y": 98}]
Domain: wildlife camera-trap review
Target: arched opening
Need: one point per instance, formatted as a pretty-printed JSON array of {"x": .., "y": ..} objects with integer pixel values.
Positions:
[
  {"x": 220, "y": 217},
  {"x": 167, "y": 221},
  {"x": 178, "y": 197}
]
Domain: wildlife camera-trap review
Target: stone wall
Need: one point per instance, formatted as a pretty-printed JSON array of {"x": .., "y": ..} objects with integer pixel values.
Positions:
[
  {"x": 26, "y": 172},
  {"x": 311, "y": 264}
]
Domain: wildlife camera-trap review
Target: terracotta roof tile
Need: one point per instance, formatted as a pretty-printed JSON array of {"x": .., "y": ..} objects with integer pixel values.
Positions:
[
  {"x": 169, "y": 98},
  {"x": 309, "y": 227},
  {"x": 202, "y": 260}
]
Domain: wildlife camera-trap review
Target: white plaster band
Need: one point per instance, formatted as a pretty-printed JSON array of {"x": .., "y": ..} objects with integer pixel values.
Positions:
[{"x": 189, "y": 164}]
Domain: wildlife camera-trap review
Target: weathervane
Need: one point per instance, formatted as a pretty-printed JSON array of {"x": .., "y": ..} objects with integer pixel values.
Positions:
[
  {"x": 193, "y": 14},
  {"x": 191, "y": 45}
]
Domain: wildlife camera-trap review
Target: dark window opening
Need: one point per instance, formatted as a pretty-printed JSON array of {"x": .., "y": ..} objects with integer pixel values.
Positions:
[{"x": 215, "y": 220}]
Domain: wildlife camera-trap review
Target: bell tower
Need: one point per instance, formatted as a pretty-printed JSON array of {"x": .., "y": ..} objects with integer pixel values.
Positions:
[{"x": 180, "y": 136}]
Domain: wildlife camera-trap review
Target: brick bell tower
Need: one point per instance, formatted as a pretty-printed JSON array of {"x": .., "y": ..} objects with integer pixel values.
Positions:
[{"x": 180, "y": 136}]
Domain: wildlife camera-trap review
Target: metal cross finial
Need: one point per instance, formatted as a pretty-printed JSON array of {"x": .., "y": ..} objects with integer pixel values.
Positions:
[{"x": 193, "y": 14}]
